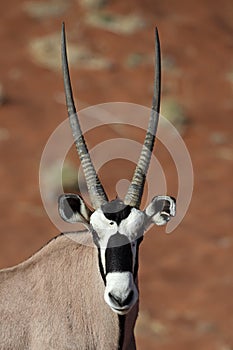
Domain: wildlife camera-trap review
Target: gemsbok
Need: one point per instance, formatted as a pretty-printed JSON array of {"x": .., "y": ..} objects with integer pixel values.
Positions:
[{"x": 80, "y": 296}]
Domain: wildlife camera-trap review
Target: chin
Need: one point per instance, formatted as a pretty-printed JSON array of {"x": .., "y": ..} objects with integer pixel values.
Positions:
[{"x": 122, "y": 311}]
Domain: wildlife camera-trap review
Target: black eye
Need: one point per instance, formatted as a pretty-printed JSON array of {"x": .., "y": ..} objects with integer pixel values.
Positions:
[{"x": 111, "y": 223}]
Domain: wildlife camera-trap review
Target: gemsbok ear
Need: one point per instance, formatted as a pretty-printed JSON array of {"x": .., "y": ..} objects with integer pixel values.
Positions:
[
  {"x": 161, "y": 209},
  {"x": 72, "y": 209}
]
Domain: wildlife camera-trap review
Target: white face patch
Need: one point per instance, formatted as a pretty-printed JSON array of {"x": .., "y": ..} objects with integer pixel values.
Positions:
[
  {"x": 103, "y": 227},
  {"x": 133, "y": 226}
]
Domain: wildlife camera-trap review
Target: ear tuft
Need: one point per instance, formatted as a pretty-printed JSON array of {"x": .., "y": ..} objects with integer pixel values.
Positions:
[
  {"x": 161, "y": 209},
  {"x": 72, "y": 208}
]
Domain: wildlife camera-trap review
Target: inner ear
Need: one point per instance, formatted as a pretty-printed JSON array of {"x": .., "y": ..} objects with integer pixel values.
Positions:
[
  {"x": 161, "y": 209},
  {"x": 73, "y": 209}
]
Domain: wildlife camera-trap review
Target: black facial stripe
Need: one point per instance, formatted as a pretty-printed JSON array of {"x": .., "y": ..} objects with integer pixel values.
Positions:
[
  {"x": 116, "y": 210},
  {"x": 118, "y": 258},
  {"x": 139, "y": 240},
  {"x": 101, "y": 266},
  {"x": 95, "y": 237},
  {"x": 118, "y": 254}
]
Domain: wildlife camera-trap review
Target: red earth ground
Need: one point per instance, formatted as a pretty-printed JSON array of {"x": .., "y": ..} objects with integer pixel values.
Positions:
[{"x": 186, "y": 279}]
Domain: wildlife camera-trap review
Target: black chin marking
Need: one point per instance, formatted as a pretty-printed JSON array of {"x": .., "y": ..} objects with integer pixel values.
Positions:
[{"x": 116, "y": 210}]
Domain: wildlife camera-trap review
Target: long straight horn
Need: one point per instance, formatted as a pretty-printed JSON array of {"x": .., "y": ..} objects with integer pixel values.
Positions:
[
  {"x": 95, "y": 189},
  {"x": 135, "y": 191}
]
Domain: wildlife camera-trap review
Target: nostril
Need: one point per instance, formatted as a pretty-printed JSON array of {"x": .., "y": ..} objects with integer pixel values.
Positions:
[
  {"x": 129, "y": 298},
  {"x": 121, "y": 302},
  {"x": 115, "y": 299}
]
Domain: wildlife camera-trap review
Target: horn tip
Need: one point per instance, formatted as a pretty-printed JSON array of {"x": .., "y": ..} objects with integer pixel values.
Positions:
[
  {"x": 156, "y": 32},
  {"x": 63, "y": 30},
  {"x": 157, "y": 35}
]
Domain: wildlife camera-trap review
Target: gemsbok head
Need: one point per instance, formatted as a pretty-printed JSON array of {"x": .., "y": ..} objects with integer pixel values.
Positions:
[
  {"x": 117, "y": 226},
  {"x": 75, "y": 296}
]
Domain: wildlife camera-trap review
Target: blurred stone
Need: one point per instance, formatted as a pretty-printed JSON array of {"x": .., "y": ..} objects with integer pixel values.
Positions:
[
  {"x": 15, "y": 74},
  {"x": 147, "y": 325},
  {"x": 31, "y": 209},
  {"x": 218, "y": 138},
  {"x": 168, "y": 63},
  {"x": 226, "y": 347},
  {"x": 2, "y": 95},
  {"x": 225, "y": 153},
  {"x": 205, "y": 327},
  {"x": 158, "y": 328},
  {"x": 69, "y": 177},
  {"x": 116, "y": 23},
  {"x": 40, "y": 9},
  {"x": 46, "y": 51},
  {"x": 173, "y": 111},
  {"x": 136, "y": 59},
  {"x": 4, "y": 134},
  {"x": 92, "y": 4},
  {"x": 225, "y": 242},
  {"x": 172, "y": 74},
  {"x": 53, "y": 177},
  {"x": 229, "y": 77}
]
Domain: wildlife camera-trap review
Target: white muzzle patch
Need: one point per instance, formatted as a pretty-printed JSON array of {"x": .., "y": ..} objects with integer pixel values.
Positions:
[{"x": 121, "y": 292}]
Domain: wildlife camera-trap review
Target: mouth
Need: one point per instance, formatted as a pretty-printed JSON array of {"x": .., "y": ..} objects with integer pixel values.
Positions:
[{"x": 121, "y": 310}]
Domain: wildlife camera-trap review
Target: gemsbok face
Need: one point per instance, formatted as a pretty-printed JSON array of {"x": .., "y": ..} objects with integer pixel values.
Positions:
[{"x": 117, "y": 226}]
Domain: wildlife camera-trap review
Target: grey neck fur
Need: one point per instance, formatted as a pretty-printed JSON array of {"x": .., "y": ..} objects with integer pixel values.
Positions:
[{"x": 54, "y": 300}]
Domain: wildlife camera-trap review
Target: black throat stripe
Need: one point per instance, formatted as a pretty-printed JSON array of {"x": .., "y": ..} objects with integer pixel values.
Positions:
[{"x": 121, "y": 320}]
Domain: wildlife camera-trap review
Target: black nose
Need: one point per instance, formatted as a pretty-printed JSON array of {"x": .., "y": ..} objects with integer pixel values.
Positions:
[{"x": 121, "y": 302}]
